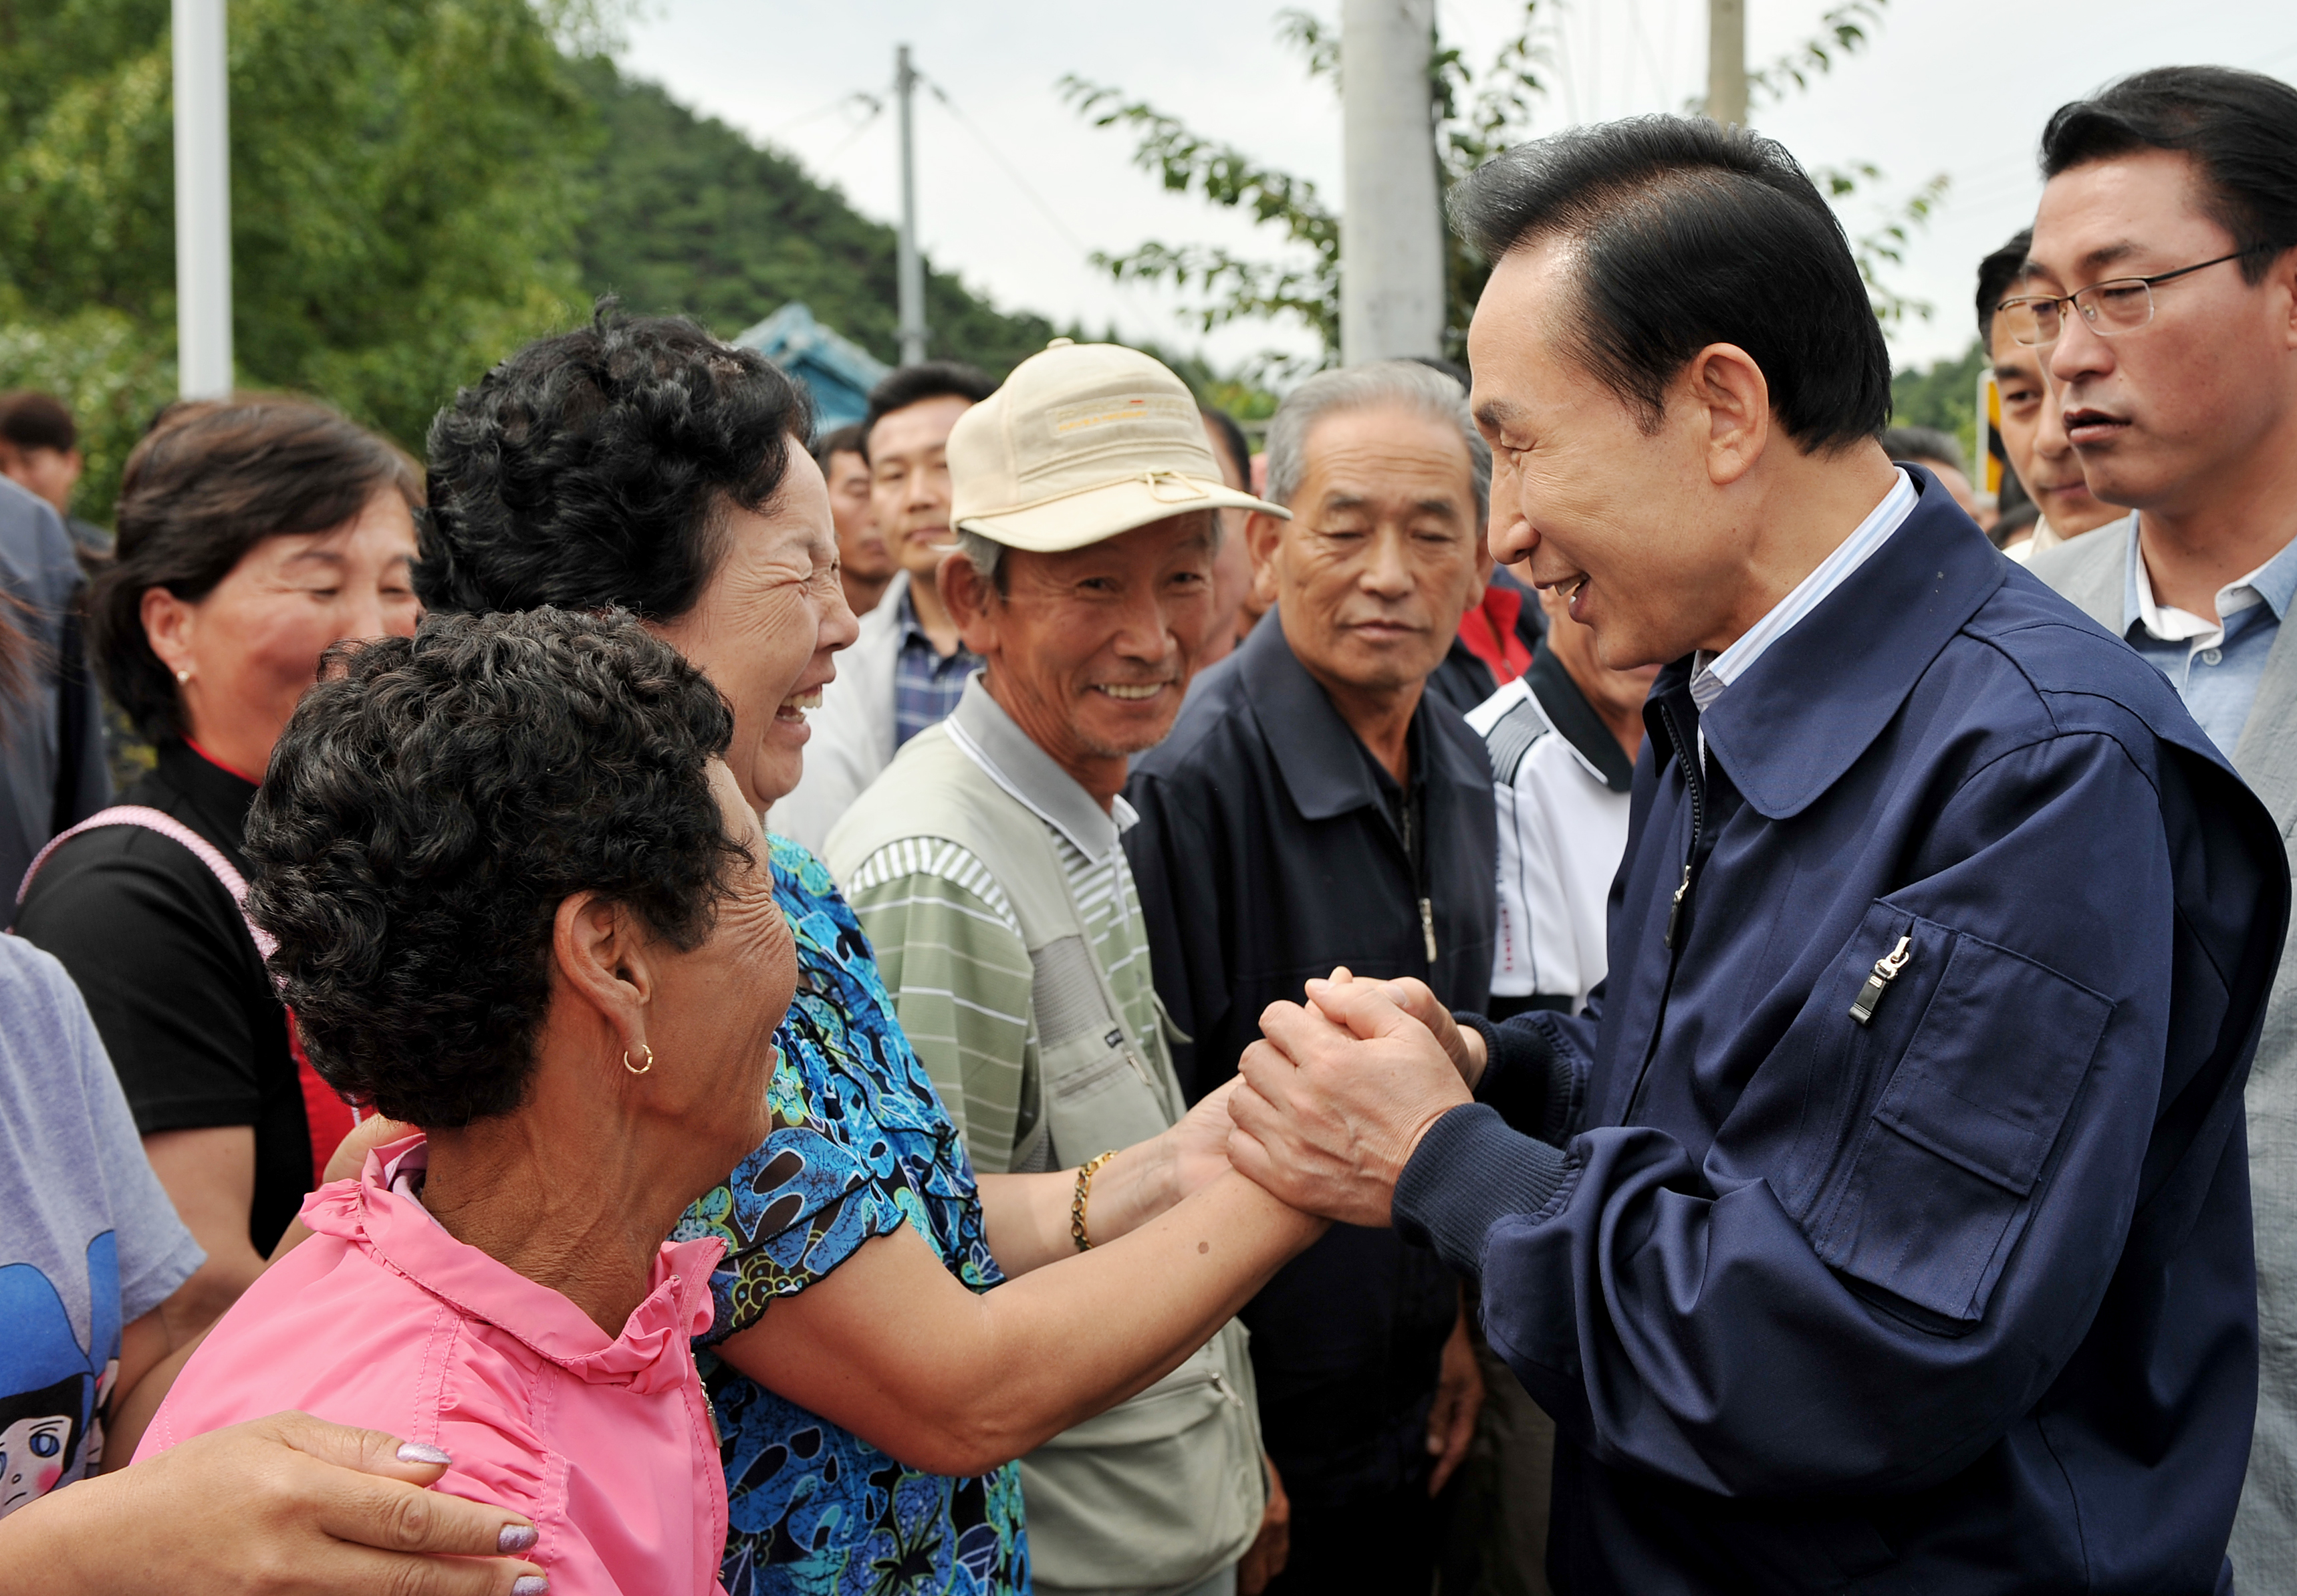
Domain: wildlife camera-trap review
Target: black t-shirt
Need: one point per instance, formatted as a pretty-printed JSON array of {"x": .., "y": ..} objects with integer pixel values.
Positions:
[{"x": 179, "y": 994}]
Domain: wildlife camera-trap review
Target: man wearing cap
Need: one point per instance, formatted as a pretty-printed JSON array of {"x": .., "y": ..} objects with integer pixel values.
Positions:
[{"x": 986, "y": 866}]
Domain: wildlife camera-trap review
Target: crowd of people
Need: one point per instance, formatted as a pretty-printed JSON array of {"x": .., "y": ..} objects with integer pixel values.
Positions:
[{"x": 1587, "y": 973}]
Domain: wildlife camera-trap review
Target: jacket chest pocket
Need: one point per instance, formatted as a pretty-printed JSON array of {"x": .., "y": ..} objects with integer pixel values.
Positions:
[
  {"x": 1102, "y": 1089},
  {"x": 1978, "y": 1053}
]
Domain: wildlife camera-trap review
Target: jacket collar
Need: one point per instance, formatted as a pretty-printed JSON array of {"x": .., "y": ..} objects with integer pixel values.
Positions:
[
  {"x": 1806, "y": 711},
  {"x": 648, "y": 1356},
  {"x": 992, "y": 739},
  {"x": 1325, "y": 767},
  {"x": 1576, "y": 721}
]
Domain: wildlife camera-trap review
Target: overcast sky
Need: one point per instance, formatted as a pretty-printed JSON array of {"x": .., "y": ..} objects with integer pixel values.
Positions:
[{"x": 1016, "y": 190}]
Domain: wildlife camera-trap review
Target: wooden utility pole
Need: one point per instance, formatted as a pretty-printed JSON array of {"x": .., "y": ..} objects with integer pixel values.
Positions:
[
  {"x": 204, "y": 355},
  {"x": 1391, "y": 216},
  {"x": 908, "y": 273},
  {"x": 1726, "y": 62}
]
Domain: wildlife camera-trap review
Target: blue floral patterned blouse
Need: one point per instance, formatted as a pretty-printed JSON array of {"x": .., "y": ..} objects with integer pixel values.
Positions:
[{"x": 860, "y": 1145}]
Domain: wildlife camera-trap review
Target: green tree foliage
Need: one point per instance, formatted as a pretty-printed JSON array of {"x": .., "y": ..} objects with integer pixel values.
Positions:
[
  {"x": 1475, "y": 114},
  {"x": 402, "y": 201},
  {"x": 686, "y": 214},
  {"x": 1945, "y": 397}
]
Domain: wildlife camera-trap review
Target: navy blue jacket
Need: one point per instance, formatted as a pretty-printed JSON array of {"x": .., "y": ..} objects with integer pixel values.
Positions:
[
  {"x": 1959, "y": 1298},
  {"x": 1266, "y": 853}
]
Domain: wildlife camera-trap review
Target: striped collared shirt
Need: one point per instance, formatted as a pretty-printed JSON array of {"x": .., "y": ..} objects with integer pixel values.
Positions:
[{"x": 1718, "y": 671}]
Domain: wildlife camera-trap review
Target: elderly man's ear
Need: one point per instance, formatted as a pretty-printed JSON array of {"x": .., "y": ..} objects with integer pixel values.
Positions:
[
  {"x": 1729, "y": 395},
  {"x": 1262, "y": 534},
  {"x": 967, "y": 595},
  {"x": 602, "y": 959}
]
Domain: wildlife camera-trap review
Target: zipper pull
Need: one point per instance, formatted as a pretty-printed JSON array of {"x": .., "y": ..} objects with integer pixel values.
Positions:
[
  {"x": 1675, "y": 909},
  {"x": 1220, "y": 1384},
  {"x": 1428, "y": 928},
  {"x": 1886, "y": 971}
]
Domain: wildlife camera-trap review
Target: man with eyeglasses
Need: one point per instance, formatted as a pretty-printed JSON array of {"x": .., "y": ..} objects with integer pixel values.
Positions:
[{"x": 2163, "y": 301}]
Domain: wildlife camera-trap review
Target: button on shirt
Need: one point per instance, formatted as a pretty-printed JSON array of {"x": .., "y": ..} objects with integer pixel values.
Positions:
[
  {"x": 927, "y": 682},
  {"x": 2214, "y": 666}
]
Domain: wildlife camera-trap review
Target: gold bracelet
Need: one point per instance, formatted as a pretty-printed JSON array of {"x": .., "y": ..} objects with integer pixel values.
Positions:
[{"x": 1076, "y": 1204}]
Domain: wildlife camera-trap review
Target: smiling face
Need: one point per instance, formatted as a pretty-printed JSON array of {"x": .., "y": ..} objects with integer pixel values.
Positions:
[
  {"x": 2034, "y": 437},
  {"x": 2181, "y": 410},
  {"x": 715, "y": 1007},
  {"x": 765, "y": 628},
  {"x": 908, "y": 480},
  {"x": 1090, "y": 650},
  {"x": 245, "y": 653},
  {"x": 1378, "y": 564},
  {"x": 1625, "y": 522}
]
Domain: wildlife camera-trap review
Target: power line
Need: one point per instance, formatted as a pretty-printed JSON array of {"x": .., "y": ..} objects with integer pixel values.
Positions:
[{"x": 997, "y": 155}]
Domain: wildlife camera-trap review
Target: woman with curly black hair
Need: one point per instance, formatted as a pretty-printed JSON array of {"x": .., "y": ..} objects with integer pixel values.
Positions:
[
  {"x": 520, "y": 904},
  {"x": 891, "y": 1332}
]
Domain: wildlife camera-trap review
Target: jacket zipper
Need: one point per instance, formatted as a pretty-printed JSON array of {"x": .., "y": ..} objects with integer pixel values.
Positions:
[{"x": 1692, "y": 861}]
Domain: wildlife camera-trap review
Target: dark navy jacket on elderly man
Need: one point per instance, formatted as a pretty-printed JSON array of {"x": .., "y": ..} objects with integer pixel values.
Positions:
[
  {"x": 1884, "y": 1226},
  {"x": 1270, "y": 847}
]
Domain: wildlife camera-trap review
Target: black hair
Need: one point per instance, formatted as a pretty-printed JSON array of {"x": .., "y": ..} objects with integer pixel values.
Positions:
[
  {"x": 1998, "y": 275},
  {"x": 432, "y": 801},
  {"x": 30, "y": 419},
  {"x": 909, "y": 385},
  {"x": 2240, "y": 127},
  {"x": 593, "y": 469},
  {"x": 849, "y": 440},
  {"x": 1924, "y": 443},
  {"x": 212, "y": 479},
  {"x": 1687, "y": 234},
  {"x": 1231, "y": 437}
]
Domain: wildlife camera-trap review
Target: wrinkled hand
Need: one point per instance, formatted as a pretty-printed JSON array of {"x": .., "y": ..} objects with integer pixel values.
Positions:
[
  {"x": 1458, "y": 1396},
  {"x": 1271, "y": 1549},
  {"x": 1412, "y": 995},
  {"x": 284, "y": 1506},
  {"x": 1335, "y": 1097},
  {"x": 1200, "y": 1144}
]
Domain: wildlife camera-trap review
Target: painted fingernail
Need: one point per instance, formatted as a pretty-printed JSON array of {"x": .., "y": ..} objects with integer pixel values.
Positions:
[
  {"x": 516, "y": 1538},
  {"x": 530, "y": 1585},
  {"x": 415, "y": 1451}
]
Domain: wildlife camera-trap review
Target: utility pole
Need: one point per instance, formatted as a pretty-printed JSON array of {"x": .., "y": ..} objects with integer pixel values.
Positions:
[
  {"x": 202, "y": 201},
  {"x": 1391, "y": 219},
  {"x": 1726, "y": 62},
  {"x": 909, "y": 273}
]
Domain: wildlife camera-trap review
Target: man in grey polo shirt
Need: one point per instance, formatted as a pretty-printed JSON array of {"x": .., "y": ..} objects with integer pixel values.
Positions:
[{"x": 986, "y": 866}]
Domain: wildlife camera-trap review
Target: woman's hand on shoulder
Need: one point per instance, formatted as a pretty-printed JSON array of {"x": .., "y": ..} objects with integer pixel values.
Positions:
[{"x": 284, "y": 1506}]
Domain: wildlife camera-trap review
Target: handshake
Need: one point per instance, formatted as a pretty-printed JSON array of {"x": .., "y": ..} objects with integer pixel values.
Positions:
[{"x": 1328, "y": 1106}]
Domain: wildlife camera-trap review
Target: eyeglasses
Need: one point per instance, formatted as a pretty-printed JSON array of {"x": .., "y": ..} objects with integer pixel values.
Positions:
[{"x": 2116, "y": 306}]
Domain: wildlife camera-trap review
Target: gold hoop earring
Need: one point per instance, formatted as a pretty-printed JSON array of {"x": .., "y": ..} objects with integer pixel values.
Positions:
[{"x": 649, "y": 1061}]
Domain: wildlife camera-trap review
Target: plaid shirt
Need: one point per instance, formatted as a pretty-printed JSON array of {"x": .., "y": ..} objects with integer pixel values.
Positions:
[{"x": 925, "y": 686}]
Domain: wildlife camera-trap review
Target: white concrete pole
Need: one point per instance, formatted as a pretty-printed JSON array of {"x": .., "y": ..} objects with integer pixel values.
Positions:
[
  {"x": 1391, "y": 216},
  {"x": 1726, "y": 62},
  {"x": 908, "y": 270},
  {"x": 202, "y": 202}
]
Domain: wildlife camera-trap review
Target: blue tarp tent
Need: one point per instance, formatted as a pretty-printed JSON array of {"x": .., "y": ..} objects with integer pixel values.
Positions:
[{"x": 838, "y": 371}]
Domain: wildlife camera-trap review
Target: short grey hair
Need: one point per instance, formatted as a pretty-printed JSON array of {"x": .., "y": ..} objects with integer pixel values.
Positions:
[
  {"x": 988, "y": 556},
  {"x": 1401, "y": 384}
]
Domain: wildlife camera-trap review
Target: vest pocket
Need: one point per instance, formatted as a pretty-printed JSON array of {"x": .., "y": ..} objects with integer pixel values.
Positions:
[{"x": 1984, "y": 1060}]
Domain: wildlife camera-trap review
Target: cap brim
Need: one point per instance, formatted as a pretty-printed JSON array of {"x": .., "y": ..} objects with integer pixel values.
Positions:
[{"x": 1098, "y": 514}]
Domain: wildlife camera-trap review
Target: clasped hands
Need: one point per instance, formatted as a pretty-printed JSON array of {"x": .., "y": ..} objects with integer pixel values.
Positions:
[{"x": 1331, "y": 1102}]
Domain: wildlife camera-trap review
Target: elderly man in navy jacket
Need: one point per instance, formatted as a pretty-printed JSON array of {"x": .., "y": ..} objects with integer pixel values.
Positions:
[{"x": 1884, "y": 1225}]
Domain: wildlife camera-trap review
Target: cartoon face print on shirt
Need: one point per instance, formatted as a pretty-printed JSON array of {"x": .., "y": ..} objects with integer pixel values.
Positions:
[
  {"x": 52, "y": 1387},
  {"x": 39, "y": 1432}
]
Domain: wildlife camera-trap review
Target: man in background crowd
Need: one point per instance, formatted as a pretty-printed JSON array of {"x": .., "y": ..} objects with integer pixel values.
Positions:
[
  {"x": 2169, "y": 221},
  {"x": 865, "y": 566},
  {"x": 1236, "y": 602},
  {"x": 1928, "y": 446},
  {"x": 40, "y": 451},
  {"x": 1315, "y": 806},
  {"x": 985, "y": 867},
  {"x": 2033, "y": 433},
  {"x": 909, "y": 667}
]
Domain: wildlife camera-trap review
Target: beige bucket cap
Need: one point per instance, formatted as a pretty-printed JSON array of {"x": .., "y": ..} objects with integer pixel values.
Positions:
[{"x": 1083, "y": 441}]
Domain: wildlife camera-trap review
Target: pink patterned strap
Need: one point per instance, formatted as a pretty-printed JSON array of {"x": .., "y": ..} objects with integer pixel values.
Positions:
[{"x": 174, "y": 830}]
